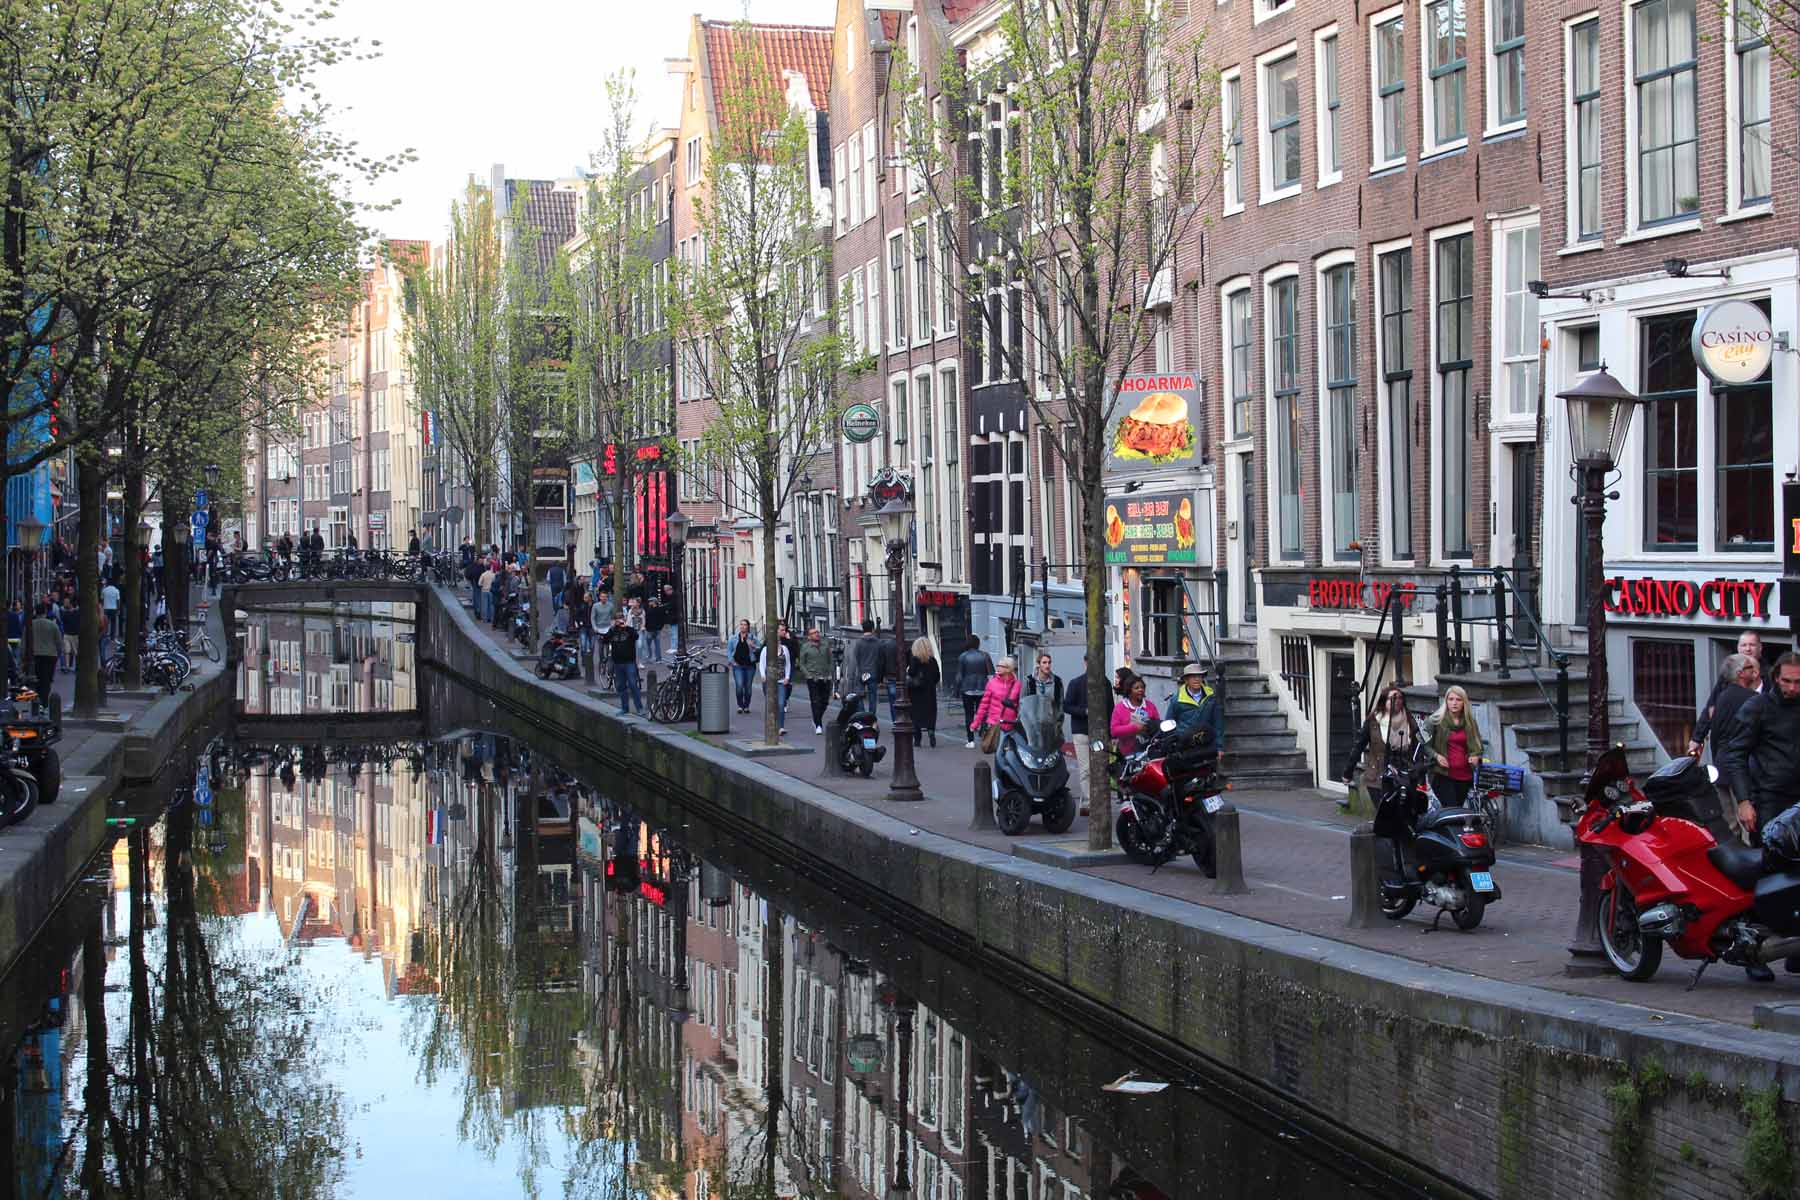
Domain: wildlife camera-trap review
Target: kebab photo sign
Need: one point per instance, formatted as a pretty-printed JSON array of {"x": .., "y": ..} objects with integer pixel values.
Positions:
[
  {"x": 1155, "y": 422},
  {"x": 1149, "y": 529}
]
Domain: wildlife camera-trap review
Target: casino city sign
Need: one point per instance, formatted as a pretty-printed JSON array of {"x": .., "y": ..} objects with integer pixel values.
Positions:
[{"x": 1732, "y": 342}]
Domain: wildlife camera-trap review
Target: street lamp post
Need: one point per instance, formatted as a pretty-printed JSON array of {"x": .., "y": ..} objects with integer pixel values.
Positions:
[
  {"x": 896, "y": 519},
  {"x": 678, "y": 523},
  {"x": 1599, "y": 413}
]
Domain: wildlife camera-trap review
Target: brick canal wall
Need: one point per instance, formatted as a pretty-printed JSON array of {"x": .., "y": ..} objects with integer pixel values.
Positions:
[{"x": 1509, "y": 1091}]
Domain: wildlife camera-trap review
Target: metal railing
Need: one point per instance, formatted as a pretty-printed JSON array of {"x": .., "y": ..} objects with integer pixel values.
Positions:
[{"x": 1500, "y": 597}]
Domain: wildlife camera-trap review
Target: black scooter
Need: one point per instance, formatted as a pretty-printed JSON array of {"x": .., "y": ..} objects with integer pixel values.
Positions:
[
  {"x": 862, "y": 737},
  {"x": 560, "y": 658},
  {"x": 1030, "y": 773},
  {"x": 1442, "y": 856}
]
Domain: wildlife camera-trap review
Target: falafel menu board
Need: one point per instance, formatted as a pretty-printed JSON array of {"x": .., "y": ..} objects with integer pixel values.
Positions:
[
  {"x": 1155, "y": 423},
  {"x": 1147, "y": 529}
]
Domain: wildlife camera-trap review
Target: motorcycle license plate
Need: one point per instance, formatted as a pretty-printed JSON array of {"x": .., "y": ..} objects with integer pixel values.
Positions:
[
  {"x": 1481, "y": 881},
  {"x": 868, "y": 743},
  {"x": 1213, "y": 803}
]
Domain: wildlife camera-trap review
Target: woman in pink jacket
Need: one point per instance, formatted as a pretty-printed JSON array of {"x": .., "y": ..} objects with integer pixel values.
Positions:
[
  {"x": 1000, "y": 699},
  {"x": 1133, "y": 716}
]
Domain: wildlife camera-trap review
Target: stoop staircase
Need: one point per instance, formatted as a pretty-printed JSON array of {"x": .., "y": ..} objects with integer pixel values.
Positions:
[{"x": 1261, "y": 751}]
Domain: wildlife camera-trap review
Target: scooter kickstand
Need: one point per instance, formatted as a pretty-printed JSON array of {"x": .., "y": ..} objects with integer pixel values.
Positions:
[
  {"x": 1435, "y": 920},
  {"x": 1698, "y": 972}
]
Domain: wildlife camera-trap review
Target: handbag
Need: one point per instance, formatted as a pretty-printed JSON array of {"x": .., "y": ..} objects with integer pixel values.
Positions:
[{"x": 990, "y": 739}]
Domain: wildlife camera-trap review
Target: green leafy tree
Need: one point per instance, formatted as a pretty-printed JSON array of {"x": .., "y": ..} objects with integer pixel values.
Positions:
[
  {"x": 1102, "y": 116},
  {"x": 746, "y": 319}
]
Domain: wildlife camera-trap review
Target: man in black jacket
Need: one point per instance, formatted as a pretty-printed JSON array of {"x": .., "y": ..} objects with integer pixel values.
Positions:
[
  {"x": 1761, "y": 757},
  {"x": 1749, "y": 645},
  {"x": 1075, "y": 704}
]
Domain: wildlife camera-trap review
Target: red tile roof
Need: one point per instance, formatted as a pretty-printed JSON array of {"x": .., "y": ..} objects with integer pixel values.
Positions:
[
  {"x": 958, "y": 11},
  {"x": 738, "y": 55}
]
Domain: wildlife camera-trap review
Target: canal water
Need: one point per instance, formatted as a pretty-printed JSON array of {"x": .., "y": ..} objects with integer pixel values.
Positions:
[{"x": 342, "y": 948}]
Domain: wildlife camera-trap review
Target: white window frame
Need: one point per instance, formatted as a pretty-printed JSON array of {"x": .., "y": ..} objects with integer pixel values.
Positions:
[
  {"x": 923, "y": 283},
  {"x": 1322, "y": 400},
  {"x": 871, "y": 176},
  {"x": 693, "y": 162},
  {"x": 840, "y": 191},
  {"x": 955, "y": 441},
  {"x": 1326, "y": 144},
  {"x": 1266, "y": 193},
  {"x": 1573, "y": 238},
  {"x": 1435, "y": 395},
  {"x": 898, "y": 324},
  {"x": 1735, "y": 205},
  {"x": 1383, "y": 418},
  {"x": 1377, "y": 160},
  {"x": 1236, "y": 285},
  {"x": 872, "y": 296},
  {"x": 1264, "y": 9},
  {"x": 1501, "y": 415},
  {"x": 1491, "y": 74},
  {"x": 1636, "y": 230},
  {"x": 1429, "y": 146},
  {"x": 1231, "y": 86},
  {"x": 1276, "y": 553}
]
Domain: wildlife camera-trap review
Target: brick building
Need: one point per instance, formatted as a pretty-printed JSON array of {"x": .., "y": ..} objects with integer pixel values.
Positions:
[
  {"x": 1669, "y": 171},
  {"x": 722, "y": 572}
]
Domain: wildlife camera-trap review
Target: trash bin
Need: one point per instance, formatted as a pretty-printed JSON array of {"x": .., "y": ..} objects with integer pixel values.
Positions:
[{"x": 715, "y": 702}]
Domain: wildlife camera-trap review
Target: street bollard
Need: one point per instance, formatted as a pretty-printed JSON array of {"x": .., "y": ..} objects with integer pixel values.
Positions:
[
  {"x": 982, "y": 816},
  {"x": 587, "y": 667},
  {"x": 1365, "y": 879},
  {"x": 650, "y": 683},
  {"x": 834, "y": 750},
  {"x": 1228, "y": 853}
]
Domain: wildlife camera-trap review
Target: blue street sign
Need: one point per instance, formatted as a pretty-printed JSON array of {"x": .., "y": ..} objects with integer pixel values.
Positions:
[
  {"x": 200, "y": 498},
  {"x": 200, "y": 519}
]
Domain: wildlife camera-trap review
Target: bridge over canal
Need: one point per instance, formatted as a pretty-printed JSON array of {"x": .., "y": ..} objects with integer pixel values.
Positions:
[{"x": 302, "y": 593}]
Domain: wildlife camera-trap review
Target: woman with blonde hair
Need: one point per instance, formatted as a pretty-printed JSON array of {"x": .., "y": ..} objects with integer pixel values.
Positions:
[
  {"x": 1455, "y": 747},
  {"x": 999, "y": 707},
  {"x": 922, "y": 678}
]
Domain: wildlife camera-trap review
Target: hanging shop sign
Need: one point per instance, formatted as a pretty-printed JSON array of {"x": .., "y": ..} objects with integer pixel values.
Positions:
[
  {"x": 1373, "y": 595},
  {"x": 1155, "y": 422},
  {"x": 1733, "y": 342},
  {"x": 1725, "y": 599},
  {"x": 860, "y": 423},
  {"x": 1150, "y": 529}
]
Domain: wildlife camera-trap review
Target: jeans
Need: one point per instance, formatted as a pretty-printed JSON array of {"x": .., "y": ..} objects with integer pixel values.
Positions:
[
  {"x": 787, "y": 693},
  {"x": 625, "y": 682},
  {"x": 656, "y": 647},
  {"x": 970, "y": 704},
  {"x": 741, "y": 678}
]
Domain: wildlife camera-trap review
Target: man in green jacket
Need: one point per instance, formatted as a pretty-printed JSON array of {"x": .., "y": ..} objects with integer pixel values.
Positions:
[
  {"x": 816, "y": 668},
  {"x": 46, "y": 641}
]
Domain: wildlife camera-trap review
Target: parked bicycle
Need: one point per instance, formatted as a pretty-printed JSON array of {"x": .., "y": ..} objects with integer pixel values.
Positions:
[{"x": 677, "y": 698}]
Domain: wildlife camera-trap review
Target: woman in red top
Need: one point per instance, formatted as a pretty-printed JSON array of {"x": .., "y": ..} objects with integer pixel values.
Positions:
[{"x": 1455, "y": 747}]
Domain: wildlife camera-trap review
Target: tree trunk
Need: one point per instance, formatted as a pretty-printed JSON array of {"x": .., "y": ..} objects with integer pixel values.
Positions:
[
  {"x": 772, "y": 714},
  {"x": 1093, "y": 590},
  {"x": 98, "y": 1097},
  {"x": 90, "y": 487}
]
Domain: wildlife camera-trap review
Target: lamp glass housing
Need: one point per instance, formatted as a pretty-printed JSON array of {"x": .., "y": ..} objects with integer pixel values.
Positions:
[
  {"x": 1599, "y": 412},
  {"x": 895, "y": 516},
  {"x": 678, "y": 523}
]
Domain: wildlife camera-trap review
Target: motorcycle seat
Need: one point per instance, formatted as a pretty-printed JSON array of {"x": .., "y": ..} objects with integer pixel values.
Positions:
[
  {"x": 1742, "y": 865},
  {"x": 1445, "y": 816}
]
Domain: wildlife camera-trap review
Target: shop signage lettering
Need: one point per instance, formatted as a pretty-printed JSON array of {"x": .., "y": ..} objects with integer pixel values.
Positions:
[
  {"x": 929, "y": 598},
  {"x": 1732, "y": 342},
  {"x": 610, "y": 459},
  {"x": 1728, "y": 599},
  {"x": 1150, "y": 529},
  {"x": 1155, "y": 422},
  {"x": 860, "y": 423},
  {"x": 1358, "y": 594}
]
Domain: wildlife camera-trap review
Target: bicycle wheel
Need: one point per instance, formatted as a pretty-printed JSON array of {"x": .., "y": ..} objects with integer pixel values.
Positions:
[
  {"x": 208, "y": 647},
  {"x": 665, "y": 704}
]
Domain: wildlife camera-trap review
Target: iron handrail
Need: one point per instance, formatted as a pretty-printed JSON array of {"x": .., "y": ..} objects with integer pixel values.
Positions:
[{"x": 1560, "y": 705}]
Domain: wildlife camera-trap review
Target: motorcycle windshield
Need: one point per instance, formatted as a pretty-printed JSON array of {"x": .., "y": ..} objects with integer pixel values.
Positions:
[
  {"x": 1040, "y": 723},
  {"x": 1608, "y": 770}
]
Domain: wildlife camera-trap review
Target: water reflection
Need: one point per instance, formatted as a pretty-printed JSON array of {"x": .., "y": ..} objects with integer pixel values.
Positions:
[{"x": 453, "y": 968}]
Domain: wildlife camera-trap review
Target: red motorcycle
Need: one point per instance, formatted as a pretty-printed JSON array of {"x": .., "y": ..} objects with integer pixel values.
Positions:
[
  {"x": 1671, "y": 883},
  {"x": 1168, "y": 791}
]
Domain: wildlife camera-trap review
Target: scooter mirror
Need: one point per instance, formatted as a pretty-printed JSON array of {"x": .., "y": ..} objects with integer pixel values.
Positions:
[
  {"x": 1167, "y": 727},
  {"x": 1712, "y": 773}
]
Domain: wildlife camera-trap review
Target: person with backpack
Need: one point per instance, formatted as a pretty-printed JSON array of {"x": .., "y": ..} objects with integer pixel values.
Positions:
[{"x": 973, "y": 670}]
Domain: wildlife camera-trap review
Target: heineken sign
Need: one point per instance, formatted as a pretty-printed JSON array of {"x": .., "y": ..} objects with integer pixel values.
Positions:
[{"x": 861, "y": 423}]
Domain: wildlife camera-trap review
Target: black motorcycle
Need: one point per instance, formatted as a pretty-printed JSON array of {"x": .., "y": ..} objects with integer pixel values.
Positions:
[
  {"x": 862, "y": 737},
  {"x": 518, "y": 619},
  {"x": 1442, "y": 856},
  {"x": 560, "y": 658}
]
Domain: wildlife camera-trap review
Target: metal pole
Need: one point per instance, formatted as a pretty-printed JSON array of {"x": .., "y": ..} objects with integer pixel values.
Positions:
[
  {"x": 1586, "y": 944},
  {"x": 902, "y": 1188},
  {"x": 1044, "y": 591},
  {"x": 1500, "y": 620},
  {"x": 1456, "y": 615},
  {"x": 905, "y": 784}
]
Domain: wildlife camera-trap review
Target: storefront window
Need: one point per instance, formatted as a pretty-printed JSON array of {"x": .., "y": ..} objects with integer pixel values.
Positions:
[
  {"x": 1160, "y": 619},
  {"x": 1662, "y": 683},
  {"x": 1671, "y": 491},
  {"x": 1744, "y": 508}
]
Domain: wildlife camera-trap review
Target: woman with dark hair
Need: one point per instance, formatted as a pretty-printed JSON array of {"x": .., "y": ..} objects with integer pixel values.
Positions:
[{"x": 1389, "y": 735}]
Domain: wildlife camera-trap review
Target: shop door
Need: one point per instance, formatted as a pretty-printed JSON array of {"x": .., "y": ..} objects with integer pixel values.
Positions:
[
  {"x": 1247, "y": 537},
  {"x": 1524, "y": 521},
  {"x": 1341, "y": 706}
]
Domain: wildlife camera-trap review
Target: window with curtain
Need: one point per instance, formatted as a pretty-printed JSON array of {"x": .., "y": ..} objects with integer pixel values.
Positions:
[
  {"x": 1751, "y": 52},
  {"x": 1584, "y": 136},
  {"x": 1519, "y": 320},
  {"x": 1284, "y": 358},
  {"x": 1281, "y": 90},
  {"x": 1389, "y": 51},
  {"x": 1668, "y": 163},
  {"x": 1446, "y": 48},
  {"x": 1509, "y": 60},
  {"x": 1242, "y": 350},
  {"x": 1340, "y": 383}
]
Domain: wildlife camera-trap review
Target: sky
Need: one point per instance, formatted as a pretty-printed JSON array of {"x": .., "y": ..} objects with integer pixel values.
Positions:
[{"x": 466, "y": 84}]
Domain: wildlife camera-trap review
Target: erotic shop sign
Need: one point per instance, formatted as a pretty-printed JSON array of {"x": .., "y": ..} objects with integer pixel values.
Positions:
[
  {"x": 1726, "y": 599},
  {"x": 1358, "y": 594}
]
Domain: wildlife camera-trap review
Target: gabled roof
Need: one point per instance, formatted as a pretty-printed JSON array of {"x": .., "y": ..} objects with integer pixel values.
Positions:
[
  {"x": 552, "y": 213},
  {"x": 958, "y": 11},
  {"x": 738, "y": 54}
]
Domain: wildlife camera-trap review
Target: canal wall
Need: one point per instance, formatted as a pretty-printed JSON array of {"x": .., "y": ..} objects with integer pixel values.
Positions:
[
  {"x": 41, "y": 860},
  {"x": 1505, "y": 1090}
]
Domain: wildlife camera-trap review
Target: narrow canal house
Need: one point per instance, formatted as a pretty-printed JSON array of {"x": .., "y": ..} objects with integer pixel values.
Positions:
[{"x": 1669, "y": 173}]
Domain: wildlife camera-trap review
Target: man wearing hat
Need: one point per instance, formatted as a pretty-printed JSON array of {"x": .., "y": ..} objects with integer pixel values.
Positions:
[{"x": 1196, "y": 706}]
